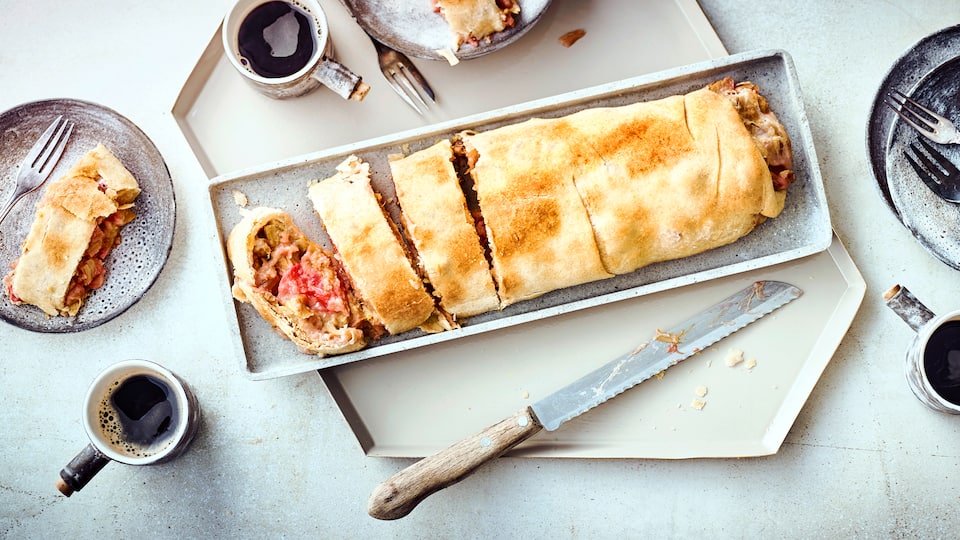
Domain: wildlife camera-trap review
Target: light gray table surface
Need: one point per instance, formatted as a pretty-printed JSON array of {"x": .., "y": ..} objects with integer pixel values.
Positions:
[{"x": 276, "y": 459}]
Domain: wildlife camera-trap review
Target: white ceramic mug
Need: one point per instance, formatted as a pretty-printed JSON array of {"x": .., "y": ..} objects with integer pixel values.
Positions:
[
  {"x": 932, "y": 360},
  {"x": 320, "y": 69},
  {"x": 135, "y": 412}
]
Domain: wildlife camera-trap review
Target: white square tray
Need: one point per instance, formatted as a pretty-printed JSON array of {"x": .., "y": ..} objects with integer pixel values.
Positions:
[{"x": 415, "y": 403}]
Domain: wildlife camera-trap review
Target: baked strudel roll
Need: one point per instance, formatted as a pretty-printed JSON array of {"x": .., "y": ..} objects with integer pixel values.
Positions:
[{"x": 77, "y": 224}]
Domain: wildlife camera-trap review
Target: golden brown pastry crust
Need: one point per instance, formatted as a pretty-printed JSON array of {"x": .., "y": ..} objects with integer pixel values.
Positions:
[
  {"x": 538, "y": 229},
  {"x": 436, "y": 219},
  {"x": 272, "y": 234},
  {"x": 659, "y": 180},
  {"x": 564, "y": 201},
  {"x": 669, "y": 178},
  {"x": 370, "y": 250},
  {"x": 96, "y": 187}
]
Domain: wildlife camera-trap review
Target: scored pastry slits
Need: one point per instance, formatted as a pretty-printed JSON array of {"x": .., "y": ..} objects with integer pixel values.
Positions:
[
  {"x": 538, "y": 230},
  {"x": 439, "y": 224},
  {"x": 370, "y": 250},
  {"x": 669, "y": 178}
]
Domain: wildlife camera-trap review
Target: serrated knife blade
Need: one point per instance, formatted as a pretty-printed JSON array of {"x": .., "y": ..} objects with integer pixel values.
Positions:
[
  {"x": 400, "y": 494},
  {"x": 678, "y": 343}
]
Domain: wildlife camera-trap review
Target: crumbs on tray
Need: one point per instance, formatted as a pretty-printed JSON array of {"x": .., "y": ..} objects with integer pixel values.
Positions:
[
  {"x": 240, "y": 198},
  {"x": 734, "y": 357},
  {"x": 698, "y": 403}
]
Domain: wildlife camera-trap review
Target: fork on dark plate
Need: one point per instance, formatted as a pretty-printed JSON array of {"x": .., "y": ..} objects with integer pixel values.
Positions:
[
  {"x": 931, "y": 125},
  {"x": 936, "y": 171}
]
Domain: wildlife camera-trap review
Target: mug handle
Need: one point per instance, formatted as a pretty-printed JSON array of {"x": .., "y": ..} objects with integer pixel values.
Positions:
[
  {"x": 340, "y": 79},
  {"x": 81, "y": 470},
  {"x": 908, "y": 307}
]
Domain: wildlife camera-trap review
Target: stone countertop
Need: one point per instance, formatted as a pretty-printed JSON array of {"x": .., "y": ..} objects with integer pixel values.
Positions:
[{"x": 276, "y": 459}]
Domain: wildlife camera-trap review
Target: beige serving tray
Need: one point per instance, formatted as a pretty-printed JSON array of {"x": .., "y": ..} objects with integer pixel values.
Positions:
[
  {"x": 229, "y": 126},
  {"x": 415, "y": 403}
]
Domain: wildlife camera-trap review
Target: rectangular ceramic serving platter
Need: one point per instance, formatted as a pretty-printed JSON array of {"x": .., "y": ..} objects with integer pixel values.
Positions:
[
  {"x": 801, "y": 230},
  {"x": 415, "y": 403}
]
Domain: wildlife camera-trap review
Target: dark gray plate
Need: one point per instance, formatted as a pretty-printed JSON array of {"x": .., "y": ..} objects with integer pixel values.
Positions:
[
  {"x": 135, "y": 264},
  {"x": 413, "y": 28},
  {"x": 929, "y": 72}
]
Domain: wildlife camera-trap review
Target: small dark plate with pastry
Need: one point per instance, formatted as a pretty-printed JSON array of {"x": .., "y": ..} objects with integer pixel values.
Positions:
[
  {"x": 135, "y": 263},
  {"x": 415, "y": 28}
]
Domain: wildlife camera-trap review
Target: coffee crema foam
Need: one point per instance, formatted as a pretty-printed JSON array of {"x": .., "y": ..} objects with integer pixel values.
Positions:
[{"x": 138, "y": 415}]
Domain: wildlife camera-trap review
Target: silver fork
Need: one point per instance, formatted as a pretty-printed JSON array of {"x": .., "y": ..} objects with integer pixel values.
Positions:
[
  {"x": 939, "y": 174},
  {"x": 40, "y": 161},
  {"x": 934, "y": 127},
  {"x": 404, "y": 77}
]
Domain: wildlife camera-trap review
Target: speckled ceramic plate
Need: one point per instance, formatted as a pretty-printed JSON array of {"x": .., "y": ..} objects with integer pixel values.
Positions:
[
  {"x": 413, "y": 28},
  {"x": 135, "y": 264},
  {"x": 929, "y": 72}
]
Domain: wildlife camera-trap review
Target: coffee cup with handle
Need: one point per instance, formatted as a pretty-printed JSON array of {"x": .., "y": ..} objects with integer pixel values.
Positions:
[
  {"x": 932, "y": 359},
  {"x": 284, "y": 49},
  {"x": 135, "y": 412}
]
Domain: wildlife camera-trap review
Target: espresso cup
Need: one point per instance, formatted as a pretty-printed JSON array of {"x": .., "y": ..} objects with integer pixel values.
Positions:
[
  {"x": 284, "y": 50},
  {"x": 932, "y": 359},
  {"x": 135, "y": 412}
]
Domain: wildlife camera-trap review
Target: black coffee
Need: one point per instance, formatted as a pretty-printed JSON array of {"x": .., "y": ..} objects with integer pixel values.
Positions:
[
  {"x": 941, "y": 361},
  {"x": 139, "y": 415},
  {"x": 276, "y": 40}
]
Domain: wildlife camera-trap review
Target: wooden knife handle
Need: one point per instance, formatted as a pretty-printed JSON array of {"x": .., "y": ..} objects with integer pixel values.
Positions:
[{"x": 402, "y": 492}]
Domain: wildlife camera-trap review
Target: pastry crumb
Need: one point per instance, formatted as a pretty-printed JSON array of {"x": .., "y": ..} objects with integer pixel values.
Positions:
[
  {"x": 734, "y": 357},
  {"x": 448, "y": 55},
  {"x": 701, "y": 391},
  {"x": 572, "y": 37},
  {"x": 240, "y": 198},
  {"x": 750, "y": 364},
  {"x": 698, "y": 404},
  {"x": 526, "y": 395}
]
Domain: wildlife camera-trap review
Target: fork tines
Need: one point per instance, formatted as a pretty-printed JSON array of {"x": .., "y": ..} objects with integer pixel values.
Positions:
[
  {"x": 930, "y": 124},
  {"x": 39, "y": 162},
  {"x": 909, "y": 109},
  {"x": 50, "y": 145},
  {"x": 938, "y": 173},
  {"x": 407, "y": 81}
]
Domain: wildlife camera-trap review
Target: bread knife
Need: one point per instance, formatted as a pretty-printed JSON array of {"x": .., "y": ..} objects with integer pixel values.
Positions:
[{"x": 400, "y": 494}]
